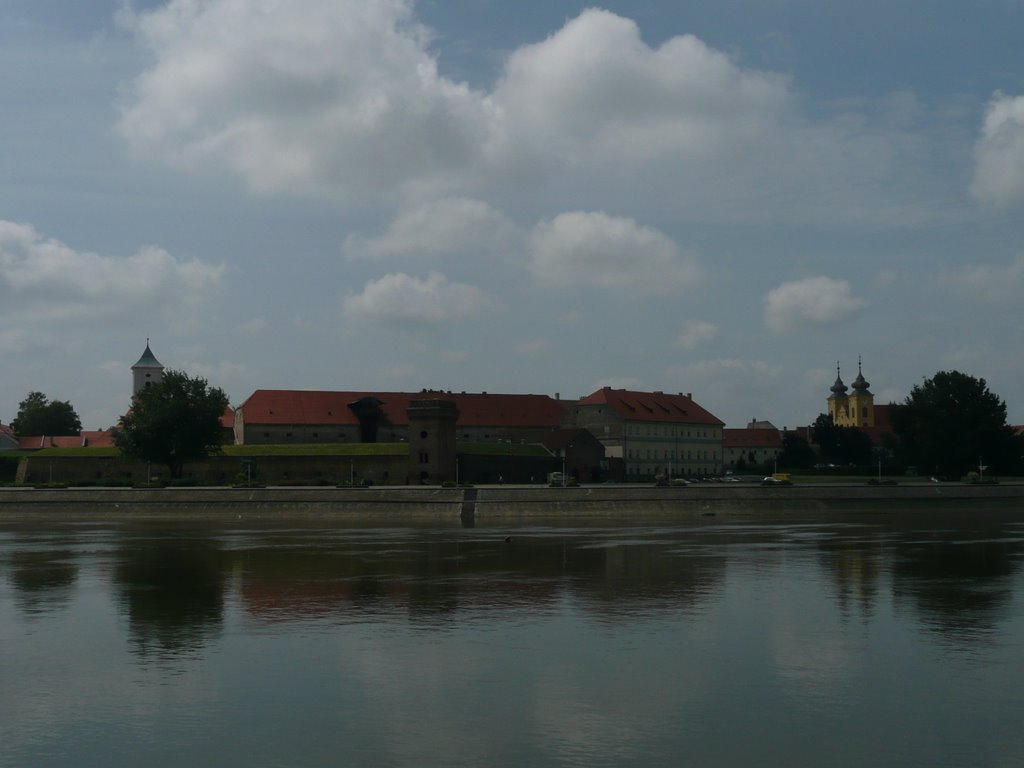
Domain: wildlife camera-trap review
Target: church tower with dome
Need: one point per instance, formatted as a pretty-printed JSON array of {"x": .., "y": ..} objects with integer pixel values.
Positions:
[{"x": 852, "y": 409}]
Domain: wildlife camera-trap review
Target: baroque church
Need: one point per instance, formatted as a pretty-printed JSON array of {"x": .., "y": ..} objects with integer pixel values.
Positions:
[{"x": 852, "y": 406}]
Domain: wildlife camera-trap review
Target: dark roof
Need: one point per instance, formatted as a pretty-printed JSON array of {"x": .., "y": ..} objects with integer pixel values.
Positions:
[
  {"x": 751, "y": 438},
  {"x": 652, "y": 406},
  {"x": 148, "y": 359},
  {"x": 291, "y": 406}
]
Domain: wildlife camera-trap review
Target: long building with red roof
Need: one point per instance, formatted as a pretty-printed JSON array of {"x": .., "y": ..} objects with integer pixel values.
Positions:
[{"x": 274, "y": 416}]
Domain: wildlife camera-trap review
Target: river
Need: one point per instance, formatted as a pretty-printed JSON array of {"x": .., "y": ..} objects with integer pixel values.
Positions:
[{"x": 781, "y": 640}]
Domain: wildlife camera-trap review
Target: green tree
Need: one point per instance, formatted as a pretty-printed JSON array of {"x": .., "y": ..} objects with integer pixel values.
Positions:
[
  {"x": 952, "y": 422},
  {"x": 796, "y": 453},
  {"x": 37, "y": 415},
  {"x": 841, "y": 445},
  {"x": 173, "y": 422}
]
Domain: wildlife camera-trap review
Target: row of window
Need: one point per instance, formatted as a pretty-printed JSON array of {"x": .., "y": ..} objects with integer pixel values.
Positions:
[
  {"x": 652, "y": 455},
  {"x": 649, "y": 430}
]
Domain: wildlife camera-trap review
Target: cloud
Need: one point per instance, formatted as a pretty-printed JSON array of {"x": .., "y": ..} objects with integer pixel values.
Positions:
[
  {"x": 594, "y": 90},
  {"x": 695, "y": 333},
  {"x": 987, "y": 282},
  {"x": 616, "y": 254},
  {"x": 410, "y": 304},
  {"x": 439, "y": 228},
  {"x": 343, "y": 99},
  {"x": 44, "y": 282},
  {"x": 814, "y": 301},
  {"x": 325, "y": 97},
  {"x": 999, "y": 152}
]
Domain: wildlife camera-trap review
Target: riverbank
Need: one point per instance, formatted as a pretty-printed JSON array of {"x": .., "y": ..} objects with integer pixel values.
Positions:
[{"x": 472, "y": 504}]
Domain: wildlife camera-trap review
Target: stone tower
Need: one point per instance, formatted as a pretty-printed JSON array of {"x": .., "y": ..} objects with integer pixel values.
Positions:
[
  {"x": 146, "y": 372},
  {"x": 432, "y": 454}
]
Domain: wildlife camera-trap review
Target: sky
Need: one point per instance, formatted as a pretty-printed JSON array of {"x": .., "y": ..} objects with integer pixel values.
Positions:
[{"x": 720, "y": 197}]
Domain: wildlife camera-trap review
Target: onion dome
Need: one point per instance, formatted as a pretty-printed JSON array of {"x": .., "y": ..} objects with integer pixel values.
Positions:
[
  {"x": 838, "y": 389},
  {"x": 860, "y": 386}
]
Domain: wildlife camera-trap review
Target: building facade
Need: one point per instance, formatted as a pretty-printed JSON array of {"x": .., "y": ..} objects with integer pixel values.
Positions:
[
  {"x": 652, "y": 434},
  {"x": 305, "y": 416},
  {"x": 755, "y": 446},
  {"x": 852, "y": 406}
]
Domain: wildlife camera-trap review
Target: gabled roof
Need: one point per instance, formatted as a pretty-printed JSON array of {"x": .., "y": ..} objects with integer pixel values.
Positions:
[
  {"x": 751, "y": 438},
  {"x": 290, "y": 406},
  {"x": 652, "y": 406}
]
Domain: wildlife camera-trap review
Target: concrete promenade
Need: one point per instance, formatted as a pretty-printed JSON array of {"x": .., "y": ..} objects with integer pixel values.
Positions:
[{"x": 388, "y": 504}]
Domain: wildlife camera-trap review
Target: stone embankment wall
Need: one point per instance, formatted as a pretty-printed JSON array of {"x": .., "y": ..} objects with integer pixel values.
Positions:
[{"x": 471, "y": 505}]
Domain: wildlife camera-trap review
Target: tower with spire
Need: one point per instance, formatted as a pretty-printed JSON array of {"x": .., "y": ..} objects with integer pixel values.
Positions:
[
  {"x": 861, "y": 402},
  {"x": 854, "y": 408},
  {"x": 838, "y": 401},
  {"x": 146, "y": 372}
]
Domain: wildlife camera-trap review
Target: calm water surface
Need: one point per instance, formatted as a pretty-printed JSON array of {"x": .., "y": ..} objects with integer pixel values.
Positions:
[{"x": 873, "y": 640}]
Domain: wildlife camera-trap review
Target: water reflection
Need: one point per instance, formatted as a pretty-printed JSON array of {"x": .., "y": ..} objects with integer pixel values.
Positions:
[
  {"x": 430, "y": 580},
  {"x": 172, "y": 591},
  {"x": 43, "y": 580},
  {"x": 960, "y": 589},
  {"x": 761, "y": 641}
]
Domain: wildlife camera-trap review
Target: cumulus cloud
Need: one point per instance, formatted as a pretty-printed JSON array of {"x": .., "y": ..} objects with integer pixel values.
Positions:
[
  {"x": 582, "y": 248},
  {"x": 999, "y": 152},
  {"x": 44, "y": 281},
  {"x": 343, "y": 99},
  {"x": 595, "y": 89},
  {"x": 989, "y": 282},
  {"x": 811, "y": 302},
  {"x": 411, "y": 304},
  {"x": 442, "y": 227},
  {"x": 695, "y": 333},
  {"x": 332, "y": 97}
]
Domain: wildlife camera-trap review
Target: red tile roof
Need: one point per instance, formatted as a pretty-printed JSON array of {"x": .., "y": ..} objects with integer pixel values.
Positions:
[
  {"x": 101, "y": 438},
  {"x": 751, "y": 438},
  {"x": 652, "y": 406},
  {"x": 86, "y": 439},
  {"x": 289, "y": 406}
]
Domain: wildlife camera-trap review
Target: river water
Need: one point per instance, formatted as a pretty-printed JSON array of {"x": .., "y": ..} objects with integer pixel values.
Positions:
[{"x": 893, "y": 640}]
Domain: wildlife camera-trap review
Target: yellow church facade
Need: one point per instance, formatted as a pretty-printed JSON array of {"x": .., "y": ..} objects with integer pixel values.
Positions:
[{"x": 852, "y": 406}]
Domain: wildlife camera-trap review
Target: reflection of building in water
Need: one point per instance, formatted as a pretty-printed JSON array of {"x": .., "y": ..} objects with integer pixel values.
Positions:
[
  {"x": 853, "y": 567},
  {"x": 173, "y": 593},
  {"x": 431, "y": 581},
  {"x": 961, "y": 590},
  {"x": 43, "y": 581}
]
